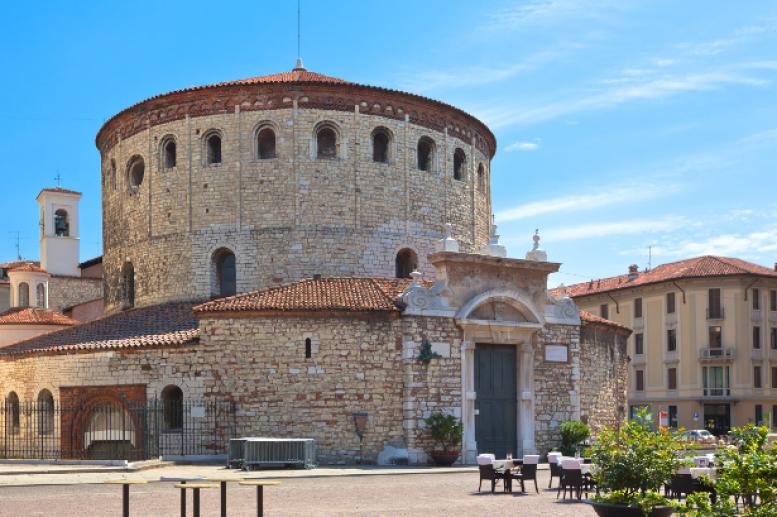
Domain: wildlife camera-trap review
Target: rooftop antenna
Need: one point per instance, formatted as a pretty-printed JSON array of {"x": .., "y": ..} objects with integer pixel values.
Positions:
[
  {"x": 18, "y": 245},
  {"x": 650, "y": 258},
  {"x": 299, "y": 65}
]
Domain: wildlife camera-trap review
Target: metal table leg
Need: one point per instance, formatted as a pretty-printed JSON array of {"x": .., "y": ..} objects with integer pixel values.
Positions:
[
  {"x": 125, "y": 499},
  {"x": 196, "y": 504},
  {"x": 259, "y": 501},
  {"x": 223, "y": 499},
  {"x": 183, "y": 502}
]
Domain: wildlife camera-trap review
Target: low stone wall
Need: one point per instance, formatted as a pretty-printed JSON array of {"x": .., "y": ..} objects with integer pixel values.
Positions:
[
  {"x": 604, "y": 369},
  {"x": 556, "y": 385}
]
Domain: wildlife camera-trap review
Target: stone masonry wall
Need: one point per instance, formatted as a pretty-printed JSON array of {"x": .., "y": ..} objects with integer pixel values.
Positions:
[
  {"x": 355, "y": 366},
  {"x": 603, "y": 368},
  {"x": 556, "y": 385},
  {"x": 285, "y": 218},
  {"x": 429, "y": 388},
  {"x": 65, "y": 291}
]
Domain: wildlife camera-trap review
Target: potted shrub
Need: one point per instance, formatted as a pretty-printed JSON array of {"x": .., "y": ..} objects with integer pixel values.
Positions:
[
  {"x": 573, "y": 433},
  {"x": 748, "y": 467},
  {"x": 632, "y": 463},
  {"x": 446, "y": 432}
]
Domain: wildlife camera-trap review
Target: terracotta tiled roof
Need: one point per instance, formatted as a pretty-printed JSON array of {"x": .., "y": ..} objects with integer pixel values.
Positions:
[
  {"x": 34, "y": 316},
  {"x": 587, "y": 317},
  {"x": 157, "y": 325},
  {"x": 297, "y": 75},
  {"x": 698, "y": 267},
  {"x": 18, "y": 263},
  {"x": 29, "y": 268},
  {"x": 91, "y": 262},
  {"x": 60, "y": 190},
  {"x": 325, "y": 294}
]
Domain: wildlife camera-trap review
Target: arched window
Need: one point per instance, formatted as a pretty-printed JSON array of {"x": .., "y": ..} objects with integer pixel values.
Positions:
[
  {"x": 265, "y": 143},
  {"x": 45, "y": 412},
  {"x": 225, "y": 273},
  {"x": 61, "y": 223},
  {"x": 406, "y": 262},
  {"x": 136, "y": 170},
  {"x": 481, "y": 178},
  {"x": 113, "y": 174},
  {"x": 12, "y": 413},
  {"x": 213, "y": 149},
  {"x": 381, "y": 140},
  {"x": 425, "y": 153},
  {"x": 172, "y": 408},
  {"x": 459, "y": 158},
  {"x": 40, "y": 292},
  {"x": 23, "y": 297},
  {"x": 326, "y": 143},
  {"x": 128, "y": 285},
  {"x": 169, "y": 155}
]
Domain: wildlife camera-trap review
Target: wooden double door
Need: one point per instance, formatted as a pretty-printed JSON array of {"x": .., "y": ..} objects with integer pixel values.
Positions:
[{"x": 496, "y": 404}]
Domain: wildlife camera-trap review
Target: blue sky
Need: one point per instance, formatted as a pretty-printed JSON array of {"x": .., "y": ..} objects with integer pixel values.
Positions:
[{"x": 620, "y": 125}]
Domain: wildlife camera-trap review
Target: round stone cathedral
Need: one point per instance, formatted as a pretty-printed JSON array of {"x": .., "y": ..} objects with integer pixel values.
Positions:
[{"x": 236, "y": 186}]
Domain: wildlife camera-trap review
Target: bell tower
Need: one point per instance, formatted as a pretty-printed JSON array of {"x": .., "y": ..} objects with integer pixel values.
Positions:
[{"x": 59, "y": 240}]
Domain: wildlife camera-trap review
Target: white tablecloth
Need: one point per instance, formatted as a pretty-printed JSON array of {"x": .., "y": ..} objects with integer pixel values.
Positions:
[
  {"x": 697, "y": 472},
  {"x": 504, "y": 464},
  {"x": 587, "y": 468}
]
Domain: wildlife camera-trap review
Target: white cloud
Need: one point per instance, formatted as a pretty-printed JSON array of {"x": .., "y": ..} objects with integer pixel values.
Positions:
[
  {"x": 599, "y": 230},
  {"x": 625, "y": 89},
  {"x": 540, "y": 13},
  {"x": 729, "y": 244},
  {"x": 522, "y": 146},
  {"x": 604, "y": 197}
]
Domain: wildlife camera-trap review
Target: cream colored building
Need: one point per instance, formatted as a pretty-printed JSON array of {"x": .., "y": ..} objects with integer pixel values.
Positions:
[{"x": 704, "y": 346}]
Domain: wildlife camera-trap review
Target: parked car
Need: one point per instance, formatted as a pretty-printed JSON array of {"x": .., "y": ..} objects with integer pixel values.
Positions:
[{"x": 700, "y": 436}]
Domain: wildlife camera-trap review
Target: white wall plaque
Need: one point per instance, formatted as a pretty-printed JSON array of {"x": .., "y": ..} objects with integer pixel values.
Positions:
[
  {"x": 556, "y": 353},
  {"x": 198, "y": 412}
]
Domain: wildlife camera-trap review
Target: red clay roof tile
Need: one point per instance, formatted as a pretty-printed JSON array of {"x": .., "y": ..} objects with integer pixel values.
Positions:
[
  {"x": 697, "y": 267},
  {"x": 587, "y": 317},
  {"x": 34, "y": 316},
  {"x": 325, "y": 294},
  {"x": 157, "y": 325}
]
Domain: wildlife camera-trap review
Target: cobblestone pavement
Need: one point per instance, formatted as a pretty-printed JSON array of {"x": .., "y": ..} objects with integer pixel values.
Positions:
[{"x": 453, "y": 494}]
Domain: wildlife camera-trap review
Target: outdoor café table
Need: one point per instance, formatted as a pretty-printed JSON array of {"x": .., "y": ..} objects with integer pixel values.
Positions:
[
  {"x": 506, "y": 465},
  {"x": 260, "y": 484},
  {"x": 697, "y": 472},
  {"x": 182, "y": 481},
  {"x": 196, "y": 489},
  {"x": 125, "y": 491},
  {"x": 223, "y": 480}
]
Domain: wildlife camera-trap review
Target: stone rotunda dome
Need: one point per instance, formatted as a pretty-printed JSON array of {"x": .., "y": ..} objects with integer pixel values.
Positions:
[{"x": 239, "y": 185}]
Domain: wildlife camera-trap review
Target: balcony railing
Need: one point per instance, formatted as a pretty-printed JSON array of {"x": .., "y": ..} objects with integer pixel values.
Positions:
[
  {"x": 716, "y": 313},
  {"x": 717, "y": 353},
  {"x": 717, "y": 392}
]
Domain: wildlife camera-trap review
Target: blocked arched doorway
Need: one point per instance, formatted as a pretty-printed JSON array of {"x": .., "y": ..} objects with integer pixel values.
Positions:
[{"x": 110, "y": 433}]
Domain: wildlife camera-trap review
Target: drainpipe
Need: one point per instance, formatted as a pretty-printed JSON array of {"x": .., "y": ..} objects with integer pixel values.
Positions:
[
  {"x": 681, "y": 290},
  {"x": 617, "y": 307},
  {"x": 751, "y": 284}
]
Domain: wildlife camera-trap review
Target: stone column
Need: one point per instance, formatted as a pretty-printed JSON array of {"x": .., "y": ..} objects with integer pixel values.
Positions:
[
  {"x": 468, "y": 400},
  {"x": 526, "y": 398}
]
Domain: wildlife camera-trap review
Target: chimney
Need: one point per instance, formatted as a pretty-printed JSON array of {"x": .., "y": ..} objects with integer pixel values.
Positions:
[
  {"x": 317, "y": 276},
  {"x": 633, "y": 271},
  {"x": 775, "y": 266}
]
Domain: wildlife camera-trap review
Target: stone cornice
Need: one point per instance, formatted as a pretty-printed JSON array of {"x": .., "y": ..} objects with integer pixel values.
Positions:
[{"x": 371, "y": 100}]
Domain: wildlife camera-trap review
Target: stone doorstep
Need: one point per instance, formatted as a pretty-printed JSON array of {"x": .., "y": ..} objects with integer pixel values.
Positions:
[
  {"x": 23, "y": 468},
  {"x": 319, "y": 472}
]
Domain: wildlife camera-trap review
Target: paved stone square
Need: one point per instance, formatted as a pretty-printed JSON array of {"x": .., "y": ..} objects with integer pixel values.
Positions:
[{"x": 449, "y": 494}]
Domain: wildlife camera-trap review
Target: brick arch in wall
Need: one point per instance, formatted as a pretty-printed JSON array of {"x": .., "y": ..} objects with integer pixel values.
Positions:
[{"x": 80, "y": 404}]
